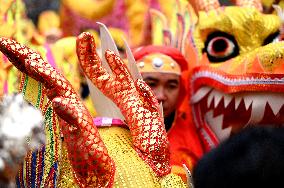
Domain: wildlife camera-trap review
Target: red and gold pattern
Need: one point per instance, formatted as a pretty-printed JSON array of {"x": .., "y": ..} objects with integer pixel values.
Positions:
[
  {"x": 87, "y": 152},
  {"x": 135, "y": 100},
  {"x": 85, "y": 160}
]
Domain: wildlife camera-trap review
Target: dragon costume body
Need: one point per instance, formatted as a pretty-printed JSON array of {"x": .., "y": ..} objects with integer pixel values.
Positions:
[
  {"x": 236, "y": 80},
  {"x": 89, "y": 156}
]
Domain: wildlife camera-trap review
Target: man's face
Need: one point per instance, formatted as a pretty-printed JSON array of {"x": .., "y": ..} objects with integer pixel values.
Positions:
[{"x": 166, "y": 88}]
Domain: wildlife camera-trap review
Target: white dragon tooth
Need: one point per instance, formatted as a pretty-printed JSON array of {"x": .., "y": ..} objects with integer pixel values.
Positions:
[
  {"x": 227, "y": 100},
  {"x": 248, "y": 100},
  {"x": 216, "y": 124},
  {"x": 217, "y": 97},
  {"x": 238, "y": 100},
  {"x": 200, "y": 94},
  {"x": 258, "y": 108},
  {"x": 275, "y": 101}
]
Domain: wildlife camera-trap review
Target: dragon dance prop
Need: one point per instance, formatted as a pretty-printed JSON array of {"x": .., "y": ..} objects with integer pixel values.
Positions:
[
  {"x": 236, "y": 63},
  {"x": 79, "y": 154},
  {"x": 236, "y": 80}
]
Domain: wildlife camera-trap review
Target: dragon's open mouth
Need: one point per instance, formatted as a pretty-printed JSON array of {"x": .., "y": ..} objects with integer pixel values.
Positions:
[{"x": 225, "y": 114}]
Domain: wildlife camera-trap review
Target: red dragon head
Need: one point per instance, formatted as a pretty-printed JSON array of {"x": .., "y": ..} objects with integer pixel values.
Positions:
[{"x": 237, "y": 76}]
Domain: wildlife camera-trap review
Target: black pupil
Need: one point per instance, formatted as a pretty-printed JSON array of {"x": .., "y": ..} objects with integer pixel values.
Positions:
[{"x": 220, "y": 45}]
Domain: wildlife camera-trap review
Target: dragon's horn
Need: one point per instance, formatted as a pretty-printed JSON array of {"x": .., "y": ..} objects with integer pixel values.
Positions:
[
  {"x": 205, "y": 5},
  {"x": 249, "y": 3}
]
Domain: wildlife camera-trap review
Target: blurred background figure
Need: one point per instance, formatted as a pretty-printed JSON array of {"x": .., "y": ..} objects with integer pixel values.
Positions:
[
  {"x": 35, "y": 8},
  {"x": 130, "y": 17},
  {"x": 49, "y": 26},
  {"x": 252, "y": 158},
  {"x": 21, "y": 130}
]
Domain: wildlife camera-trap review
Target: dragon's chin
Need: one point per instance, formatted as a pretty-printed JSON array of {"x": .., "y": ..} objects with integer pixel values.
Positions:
[{"x": 219, "y": 115}]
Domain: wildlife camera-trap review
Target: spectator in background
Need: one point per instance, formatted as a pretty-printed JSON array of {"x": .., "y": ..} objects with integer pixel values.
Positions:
[
  {"x": 164, "y": 69},
  {"x": 161, "y": 69},
  {"x": 252, "y": 158}
]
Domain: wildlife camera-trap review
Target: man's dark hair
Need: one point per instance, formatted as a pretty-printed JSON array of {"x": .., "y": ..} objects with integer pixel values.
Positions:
[{"x": 252, "y": 158}]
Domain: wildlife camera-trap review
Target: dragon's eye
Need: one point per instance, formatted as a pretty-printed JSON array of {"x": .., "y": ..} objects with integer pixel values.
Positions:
[
  {"x": 220, "y": 47},
  {"x": 274, "y": 37}
]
